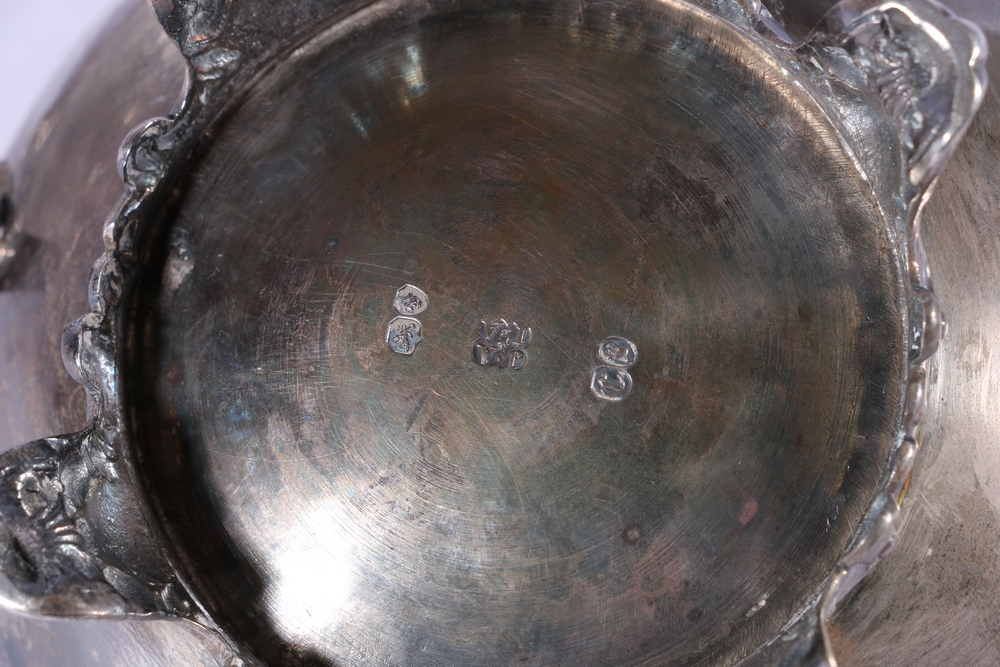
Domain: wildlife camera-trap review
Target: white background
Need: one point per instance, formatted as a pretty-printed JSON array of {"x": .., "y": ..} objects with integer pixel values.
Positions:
[{"x": 40, "y": 42}]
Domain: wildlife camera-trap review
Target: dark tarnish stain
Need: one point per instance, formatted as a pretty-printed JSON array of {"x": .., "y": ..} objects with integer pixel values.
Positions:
[{"x": 632, "y": 533}]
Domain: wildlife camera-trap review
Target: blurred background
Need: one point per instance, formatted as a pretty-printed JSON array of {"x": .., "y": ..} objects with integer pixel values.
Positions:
[{"x": 40, "y": 42}]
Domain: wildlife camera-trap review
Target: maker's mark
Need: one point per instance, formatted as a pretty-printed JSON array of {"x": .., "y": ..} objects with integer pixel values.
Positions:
[{"x": 501, "y": 344}]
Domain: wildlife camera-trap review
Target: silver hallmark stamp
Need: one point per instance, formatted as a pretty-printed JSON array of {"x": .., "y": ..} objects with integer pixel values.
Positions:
[
  {"x": 501, "y": 344},
  {"x": 610, "y": 384},
  {"x": 403, "y": 335},
  {"x": 617, "y": 351},
  {"x": 410, "y": 300},
  {"x": 612, "y": 381}
]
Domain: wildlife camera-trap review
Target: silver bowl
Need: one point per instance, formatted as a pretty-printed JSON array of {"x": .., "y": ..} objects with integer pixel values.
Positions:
[{"x": 545, "y": 333}]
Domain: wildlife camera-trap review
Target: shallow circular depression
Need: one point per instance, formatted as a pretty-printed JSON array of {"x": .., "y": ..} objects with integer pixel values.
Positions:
[{"x": 645, "y": 173}]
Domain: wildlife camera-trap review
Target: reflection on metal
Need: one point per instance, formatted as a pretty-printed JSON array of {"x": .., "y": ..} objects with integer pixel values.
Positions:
[
  {"x": 266, "y": 425},
  {"x": 413, "y": 72},
  {"x": 313, "y": 575},
  {"x": 180, "y": 261}
]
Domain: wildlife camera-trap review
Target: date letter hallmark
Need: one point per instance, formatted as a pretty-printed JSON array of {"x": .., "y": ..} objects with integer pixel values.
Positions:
[
  {"x": 501, "y": 344},
  {"x": 403, "y": 335},
  {"x": 610, "y": 384}
]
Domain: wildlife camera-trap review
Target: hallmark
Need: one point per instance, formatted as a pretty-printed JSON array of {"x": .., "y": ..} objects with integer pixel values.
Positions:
[
  {"x": 410, "y": 300},
  {"x": 403, "y": 335},
  {"x": 501, "y": 344},
  {"x": 618, "y": 352},
  {"x": 610, "y": 384},
  {"x": 612, "y": 381}
]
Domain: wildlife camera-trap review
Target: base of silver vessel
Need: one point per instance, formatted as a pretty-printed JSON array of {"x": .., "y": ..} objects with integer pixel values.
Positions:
[{"x": 216, "y": 383}]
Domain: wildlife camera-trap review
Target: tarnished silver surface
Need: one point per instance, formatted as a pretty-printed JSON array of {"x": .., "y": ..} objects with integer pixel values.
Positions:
[{"x": 326, "y": 508}]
